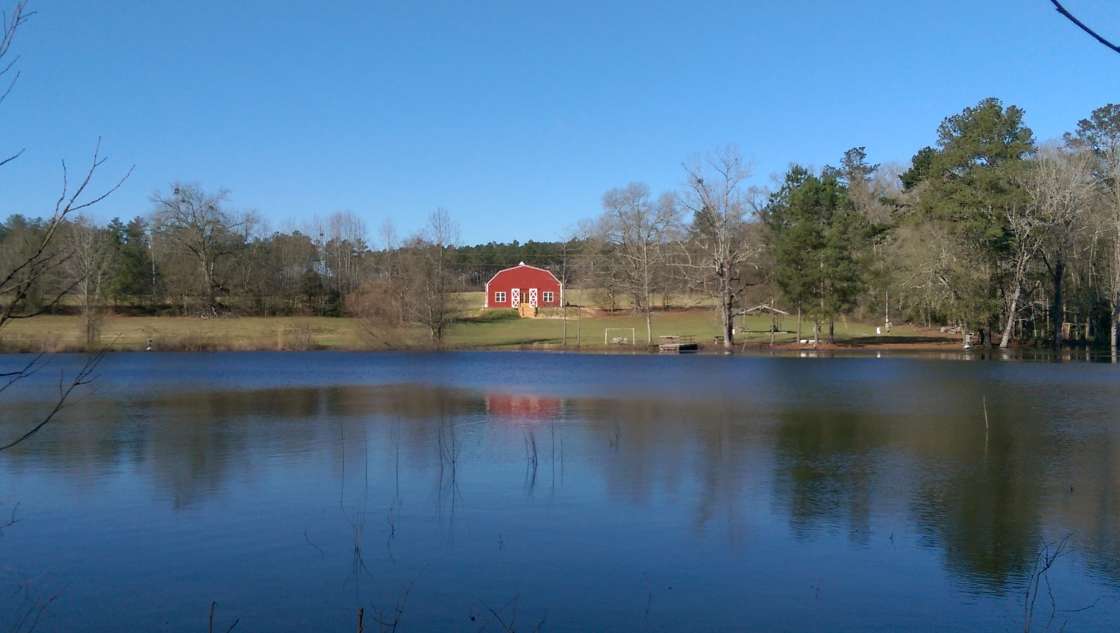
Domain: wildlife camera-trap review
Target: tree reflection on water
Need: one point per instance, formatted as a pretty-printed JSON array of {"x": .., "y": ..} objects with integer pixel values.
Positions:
[{"x": 416, "y": 468}]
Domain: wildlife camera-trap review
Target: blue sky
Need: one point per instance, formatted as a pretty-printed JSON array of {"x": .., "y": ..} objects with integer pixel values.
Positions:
[{"x": 515, "y": 116}]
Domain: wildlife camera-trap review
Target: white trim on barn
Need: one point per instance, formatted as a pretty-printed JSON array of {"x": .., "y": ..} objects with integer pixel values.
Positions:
[
  {"x": 533, "y": 297},
  {"x": 515, "y": 298}
]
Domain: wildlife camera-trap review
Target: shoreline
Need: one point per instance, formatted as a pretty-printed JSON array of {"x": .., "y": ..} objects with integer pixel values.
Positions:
[
  {"x": 62, "y": 334},
  {"x": 837, "y": 350}
]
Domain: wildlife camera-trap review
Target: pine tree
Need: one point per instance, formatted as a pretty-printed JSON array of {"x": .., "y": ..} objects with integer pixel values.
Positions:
[
  {"x": 816, "y": 238},
  {"x": 134, "y": 275},
  {"x": 968, "y": 184}
]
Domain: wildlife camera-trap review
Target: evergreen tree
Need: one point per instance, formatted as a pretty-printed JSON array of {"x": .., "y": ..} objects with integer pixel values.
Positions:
[
  {"x": 969, "y": 184},
  {"x": 817, "y": 238},
  {"x": 134, "y": 275}
]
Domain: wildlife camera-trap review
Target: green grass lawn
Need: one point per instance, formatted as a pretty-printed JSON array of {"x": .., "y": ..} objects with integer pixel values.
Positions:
[
  {"x": 474, "y": 330},
  {"x": 588, "y": 331}
]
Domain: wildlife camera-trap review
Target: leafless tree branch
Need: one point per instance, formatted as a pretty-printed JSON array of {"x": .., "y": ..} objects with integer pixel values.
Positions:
[
  {"x": 1081, "y": 25},
  {"x": 18, "y": 281},
  {"x": 1049, "y": 553},
  {"x": 84, "y": 376},
  {"x": 12, "y": 377},
  {"x": 12, "y": 520}
]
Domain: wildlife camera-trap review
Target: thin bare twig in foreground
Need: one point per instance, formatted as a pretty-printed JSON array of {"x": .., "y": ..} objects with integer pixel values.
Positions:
[
  {"x": 29, "y": 620},
  {"x": 307, "y": 538},
  {"x": 18, "y": 281},
  {"x": 12, "y": 377},
  {"x": 8, "y": 27},
  {"x": 511, "y": 626},
  {"x": 1048, "y": 554},
  {"x": 213, "y": 607},
  {"x": 84, "y": 376},
  {"x": 387, "y": 625},
  {"x": 1081, "y": 25},
  {"x": 12, "y": 520}
]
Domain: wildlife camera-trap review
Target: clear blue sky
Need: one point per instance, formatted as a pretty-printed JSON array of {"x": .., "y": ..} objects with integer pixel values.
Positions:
[{"x": 515, "y": 116}]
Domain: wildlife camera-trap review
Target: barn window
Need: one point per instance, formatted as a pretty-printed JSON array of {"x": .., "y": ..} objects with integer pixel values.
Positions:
[
  {"x": 499, "y": 297},
  {"x": 547, "y": 296}
]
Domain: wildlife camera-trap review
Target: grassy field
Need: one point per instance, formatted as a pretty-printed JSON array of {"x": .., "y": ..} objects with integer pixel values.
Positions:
[{"x": 62, "y": 333}]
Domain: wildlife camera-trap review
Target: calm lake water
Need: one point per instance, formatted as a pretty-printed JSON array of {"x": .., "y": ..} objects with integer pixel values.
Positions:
[{"x": 593, "y": 493}]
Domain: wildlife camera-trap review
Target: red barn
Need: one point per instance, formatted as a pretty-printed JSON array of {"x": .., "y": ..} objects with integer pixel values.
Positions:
[{"x": 511, "y": 287}]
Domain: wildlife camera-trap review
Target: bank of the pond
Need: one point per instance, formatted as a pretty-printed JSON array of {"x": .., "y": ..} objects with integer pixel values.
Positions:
[{"x": 596, "y": 332}]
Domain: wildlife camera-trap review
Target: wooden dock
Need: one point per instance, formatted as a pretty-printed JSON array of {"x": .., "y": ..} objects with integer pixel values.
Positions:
[{"x": 677, "y": 345}]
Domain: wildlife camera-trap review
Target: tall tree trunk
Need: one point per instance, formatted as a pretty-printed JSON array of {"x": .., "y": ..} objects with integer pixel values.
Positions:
[
  {"x": 1114, "y": 322},
  {"x": 646, "y": 293},
  {"x": 727, "y": 307},
  {"x": 1005, "y": 340},
  {"x": 579, "y": 327},
  {"x": 831, "y": 330},
  {"x": 1056, "y": 309},
  {"x": 208, "y": 280},
  {"x": 799, "y": 323},
  {"x": 649, "y": 324},
  {"x": 564, "y": 318}
]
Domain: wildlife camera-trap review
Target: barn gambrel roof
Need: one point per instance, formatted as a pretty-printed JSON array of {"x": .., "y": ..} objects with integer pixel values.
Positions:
[{"x": 524, "y": 265}]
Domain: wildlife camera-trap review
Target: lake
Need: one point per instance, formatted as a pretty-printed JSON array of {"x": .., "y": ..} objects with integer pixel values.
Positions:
[{"x": 562, "y": 492}]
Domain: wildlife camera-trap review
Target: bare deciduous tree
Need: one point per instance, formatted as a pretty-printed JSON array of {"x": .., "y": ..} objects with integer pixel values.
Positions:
[
  {"x": 91, "y": 256},
  {"x": 346, "y": 241},
  {"x": 1059, "y": 189},
  {"x": 197, "y": 222},
  {"x": 430, "y": 283},
  {"x": 1111, "y": 227},
  {"x": 719, "y": 245},
  {"x": 638, "y": 228},
  {"x": 1101, "y": 136}
]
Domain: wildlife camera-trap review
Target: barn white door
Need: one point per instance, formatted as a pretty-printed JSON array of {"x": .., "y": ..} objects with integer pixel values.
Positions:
[
  {"x": 533, "y": 297},
  {"x": 515, "y": 298}
]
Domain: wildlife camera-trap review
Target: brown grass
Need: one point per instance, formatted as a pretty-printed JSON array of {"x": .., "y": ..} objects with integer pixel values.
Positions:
[{"x": 63, "y": 333}]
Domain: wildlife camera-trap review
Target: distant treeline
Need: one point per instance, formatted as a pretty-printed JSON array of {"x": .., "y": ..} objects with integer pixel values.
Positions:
[
  {"x": 208, "y": 258},
  {"x": 985, "y": 231}
]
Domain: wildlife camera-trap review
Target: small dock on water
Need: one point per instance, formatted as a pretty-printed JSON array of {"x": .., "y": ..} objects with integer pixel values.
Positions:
[{"x": 677, "y": 345}]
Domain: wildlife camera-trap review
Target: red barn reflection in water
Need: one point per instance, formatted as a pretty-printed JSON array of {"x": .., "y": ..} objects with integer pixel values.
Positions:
[{"x": 523, "y": 407}]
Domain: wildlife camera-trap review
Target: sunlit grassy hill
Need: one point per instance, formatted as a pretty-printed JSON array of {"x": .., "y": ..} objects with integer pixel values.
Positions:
[{"x": 475, "y": 328}]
